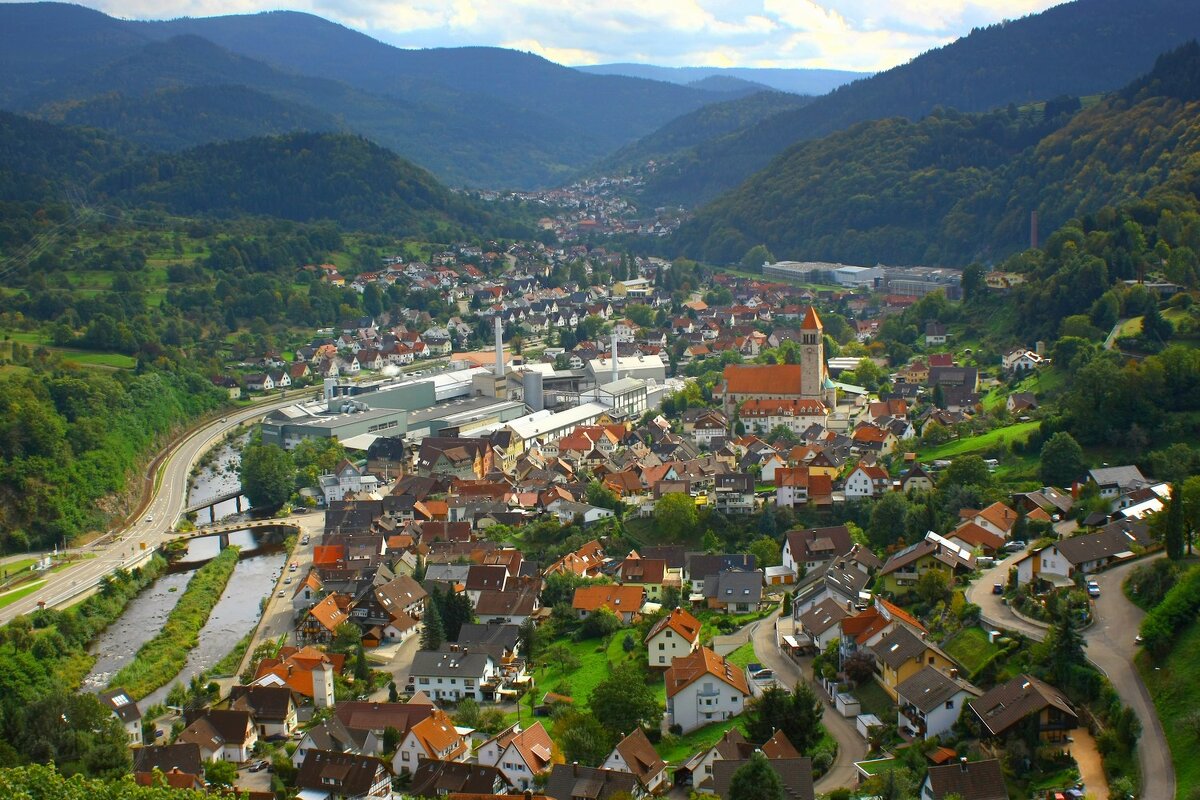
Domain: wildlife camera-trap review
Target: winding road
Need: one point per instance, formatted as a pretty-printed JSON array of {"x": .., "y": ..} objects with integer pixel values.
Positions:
[
  {"x": 135, "y": 544},
  {"x": 1111, "y": 647},
  {"x": 851, "y": 746}
]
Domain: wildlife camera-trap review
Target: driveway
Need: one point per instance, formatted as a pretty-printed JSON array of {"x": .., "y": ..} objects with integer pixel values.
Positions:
[
  {"x": 851, "y": 746},
  {"x": 1111, "y": 648},
  {"x": 993, "y": 611}
]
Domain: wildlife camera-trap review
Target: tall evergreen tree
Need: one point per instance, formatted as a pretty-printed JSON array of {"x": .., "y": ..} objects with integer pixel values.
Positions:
[
  {"x": 1173, "y": 534},
  {"x": 433, "y": 634}
]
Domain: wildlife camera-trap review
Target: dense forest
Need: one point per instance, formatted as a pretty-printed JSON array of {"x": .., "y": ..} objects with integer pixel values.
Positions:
[
  {"x": 70, "y": 439},
  {"x": 1041, "y": 56},
  {"x": 302, "y": 177},
  {"x": 955, "y": 187}
]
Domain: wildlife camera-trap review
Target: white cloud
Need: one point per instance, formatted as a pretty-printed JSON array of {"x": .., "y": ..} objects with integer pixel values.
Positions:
[{"x": 846, "y": 34}]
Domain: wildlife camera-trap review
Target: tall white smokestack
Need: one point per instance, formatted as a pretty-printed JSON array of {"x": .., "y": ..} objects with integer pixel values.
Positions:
[
  {"x": 499, "y": 347},
  {"x": 614, "y": 358}
]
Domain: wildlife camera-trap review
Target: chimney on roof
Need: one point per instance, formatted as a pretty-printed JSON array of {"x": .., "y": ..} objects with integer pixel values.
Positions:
[
  {"x": 614, "y": 357},
  {"x": 499, "y": 347}
]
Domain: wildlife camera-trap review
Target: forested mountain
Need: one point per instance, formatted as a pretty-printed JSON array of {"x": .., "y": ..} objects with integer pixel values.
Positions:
[
  {"x": 174, "y": 119},
  {"x": 1079, "y": 48},
  {"x": 38, "y": 160},
  {"x": 702, "y": 125},
  {"x": 956, "y": 187},
  {"x": 302, "y": 177},
  {"x": 475, "y": 116}
]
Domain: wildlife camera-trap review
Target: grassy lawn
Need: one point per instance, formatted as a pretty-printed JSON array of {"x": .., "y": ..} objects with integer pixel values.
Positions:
[
  {"x": 975, "y": 444},
  {"x": 875, "y": 700},
  {"x": 9, "y": 598},
  {"x": 971, "y": 648},
  {"x": 743, "y": 656},
  {"x": 1172, "y": 685},
  {"x": 90, "y": 359},
  {"x": 578, "y": 684},
  {"x": 13, "y": 567},
  {"x": 676, "y": 750}
]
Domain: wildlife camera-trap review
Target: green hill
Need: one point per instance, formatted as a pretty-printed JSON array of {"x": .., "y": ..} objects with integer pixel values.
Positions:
[
  {"x": 39, "y": 160},
  {"x": 1040, "y": 56},
  {"x": 954, "y": 187},
  {"x": 301, "y": 177}
]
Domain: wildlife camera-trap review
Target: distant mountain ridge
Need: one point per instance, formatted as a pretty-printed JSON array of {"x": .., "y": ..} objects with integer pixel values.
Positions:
[
  {"x": 483, "y": 117},
  {"x": 952, "y": 188},
  {"x": 795, "y": 81},
  {"x": 703, "y": 125},
  {"x": 1034, "y": 58}
]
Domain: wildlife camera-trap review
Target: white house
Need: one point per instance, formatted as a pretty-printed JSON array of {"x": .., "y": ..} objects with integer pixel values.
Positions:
[
  {"x": 673, "y": 636},
  {"x": 518, "y": 754},
  {"x": 434, "y": 737},
  {"x": 348, "y": 479},
  {"x": 222, "y": 735},
  {"x": 634, "y": 754},
  {"x": 704, "y": 687},
  {"x": 867, "y": 481},
  {"x": 1020, "y": 360},
  {"x": 929, "y": 702},
  {"x": 125, "y": 709},
  {"x": 821, "y": 624},
  {"x": 451, "y": 674}
]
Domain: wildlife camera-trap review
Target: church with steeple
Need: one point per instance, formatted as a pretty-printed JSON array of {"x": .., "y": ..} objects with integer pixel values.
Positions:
[{"x": 805, "y": 387}]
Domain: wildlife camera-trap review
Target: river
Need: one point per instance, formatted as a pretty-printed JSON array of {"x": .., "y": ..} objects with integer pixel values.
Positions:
[
  {"x": 219, "y": 478},
  {"x": 234, "y": 615}
]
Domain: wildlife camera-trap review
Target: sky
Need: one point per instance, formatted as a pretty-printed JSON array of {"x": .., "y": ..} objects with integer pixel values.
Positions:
[{"x": 864, "y": 35}]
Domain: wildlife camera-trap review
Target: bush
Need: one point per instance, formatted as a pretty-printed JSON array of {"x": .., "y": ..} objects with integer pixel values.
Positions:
[
  {"x": 676, "y": 730},
  {"x": 1172, "y": 615}
]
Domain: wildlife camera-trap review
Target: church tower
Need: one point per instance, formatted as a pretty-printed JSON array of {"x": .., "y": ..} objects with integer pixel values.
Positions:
[{"x": 812, "y": 357}]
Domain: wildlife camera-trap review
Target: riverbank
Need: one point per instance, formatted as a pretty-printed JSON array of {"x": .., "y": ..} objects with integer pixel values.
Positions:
[{"x": 159, "y": 660}]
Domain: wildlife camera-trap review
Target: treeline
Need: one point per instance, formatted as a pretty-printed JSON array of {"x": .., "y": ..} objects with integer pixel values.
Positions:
[
  {"x": 160, "y": 659},
  {"x": 43, "y": 659},
  {"x": 70, "y": 440},
  {"x": 956, "y": 187}
]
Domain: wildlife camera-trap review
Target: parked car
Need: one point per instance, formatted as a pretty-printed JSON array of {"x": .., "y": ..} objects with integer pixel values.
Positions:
[
  {"x": 259, "y": 766},
  {"x": 997, "y": 588},
  {"x": 1093, "y": 589},
  {"x": 1015, "y": 547}
]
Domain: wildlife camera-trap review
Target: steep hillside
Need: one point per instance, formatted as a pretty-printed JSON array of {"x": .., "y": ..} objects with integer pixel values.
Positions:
[
  {"x": 39, "y": 161},
  {"x": 1037, "y": 57},
  {"x": 174, "y": 119},
  {"x": 302, "y": 177},
  {"x": 672, "y": 140},
  {"x": 953, "y": 187}
]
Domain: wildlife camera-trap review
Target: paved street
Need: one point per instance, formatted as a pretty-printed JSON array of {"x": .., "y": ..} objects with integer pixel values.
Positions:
[
  {"x": 135, "y": 544},
  {"x": 851, "y": 746},
  {"x": 1110, "y": 646}
]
